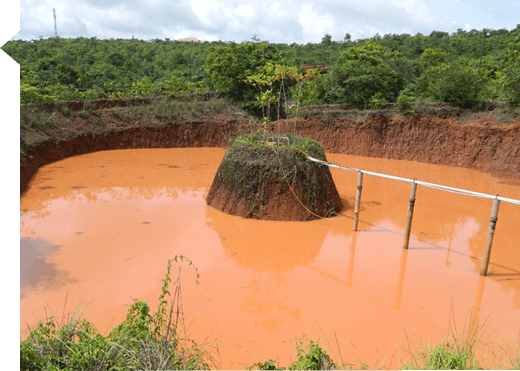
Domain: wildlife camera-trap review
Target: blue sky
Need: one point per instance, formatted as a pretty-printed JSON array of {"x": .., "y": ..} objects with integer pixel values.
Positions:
[{"x": 285, "y": 21}]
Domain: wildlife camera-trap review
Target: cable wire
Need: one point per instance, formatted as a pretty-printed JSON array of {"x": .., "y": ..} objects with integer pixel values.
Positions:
[{"x": 459, "y": 191}]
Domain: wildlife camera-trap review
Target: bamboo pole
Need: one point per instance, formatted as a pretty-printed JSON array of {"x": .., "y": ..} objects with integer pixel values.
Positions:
[
  {"x": 358, "y": 200},
  {"x": 491, "y": 233},
  {"x": 411, "y": 204}
]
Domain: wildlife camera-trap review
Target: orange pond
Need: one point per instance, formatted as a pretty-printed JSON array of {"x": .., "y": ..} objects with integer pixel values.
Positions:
[{"x": 97, "y": 230}]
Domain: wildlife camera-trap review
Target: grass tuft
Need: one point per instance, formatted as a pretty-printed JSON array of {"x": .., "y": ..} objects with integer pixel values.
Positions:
[{"x": 145, "y": 340}]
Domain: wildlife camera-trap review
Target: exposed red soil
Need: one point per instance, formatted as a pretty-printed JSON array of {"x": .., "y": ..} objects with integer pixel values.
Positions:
[
  {"x": 480, "y": 141},
  {"x": 269, "y": 198},
  {"x": 477, "y": 143}
]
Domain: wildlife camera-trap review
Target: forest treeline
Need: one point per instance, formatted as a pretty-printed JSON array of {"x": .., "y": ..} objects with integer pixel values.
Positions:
[{"x": 441, "y": 67}]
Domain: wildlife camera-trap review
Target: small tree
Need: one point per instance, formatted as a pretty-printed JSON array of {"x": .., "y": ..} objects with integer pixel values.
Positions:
[
  {"x": 227, "y": 68},
  {"x": 326, "y": 40},
  {"x": 512, "y": 70},
  {"x": 271, "y": 83}
]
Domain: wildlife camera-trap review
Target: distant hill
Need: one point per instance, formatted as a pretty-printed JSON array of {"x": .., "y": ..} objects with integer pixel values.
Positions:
[{"x": 190, "y": 39}]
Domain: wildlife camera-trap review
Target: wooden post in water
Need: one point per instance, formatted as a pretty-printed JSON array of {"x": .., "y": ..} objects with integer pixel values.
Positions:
[
  {"x": 491, "y": 233},
  {"x": 411, "y": 204},
  {"x": 358, "y": 200}
]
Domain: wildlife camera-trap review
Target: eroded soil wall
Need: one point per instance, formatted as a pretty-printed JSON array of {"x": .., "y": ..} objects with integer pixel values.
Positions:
[
  {"x": 425, "y": 139},
  {"x": 195, "y": 134}
]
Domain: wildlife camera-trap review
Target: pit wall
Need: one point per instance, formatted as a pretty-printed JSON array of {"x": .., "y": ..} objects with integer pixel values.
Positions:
[
  {"x": 194, "y": 134},
  {"x": 424, "y": 139}
]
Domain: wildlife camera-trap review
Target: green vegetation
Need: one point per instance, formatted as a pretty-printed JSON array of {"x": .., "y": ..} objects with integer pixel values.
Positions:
[
  {"x": 188, "y": 108},
  {"x": 358, "y": 74},
  {"x": 227, "y": 68},
  {"x": 462, "y": 350},
  {"x": 440, "y": 67},
  {"x": 144, "y": 340},
  {"x": 309, "y": 356}
]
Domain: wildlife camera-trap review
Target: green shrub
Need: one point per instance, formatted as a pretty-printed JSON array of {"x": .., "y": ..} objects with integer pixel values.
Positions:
[
  {"x": 312, "y": 358},
  {"x": 228, "y": 67},
  {"x": 452, "y": 82},
  {"x": 512, "y": 82},
  {"x": 29, "y": 94},
  {"x": 144, "y": 340},
  {"x": 267, "y": 365},
  {"x": 359, "y": 73},
  {"x": 313, "y": 92},
  {"x": 309, "y": 356},
  {"x": 143, "y": 88},
  {"x": 405, "y": 103},
  {"x": 378, "y": 101}
]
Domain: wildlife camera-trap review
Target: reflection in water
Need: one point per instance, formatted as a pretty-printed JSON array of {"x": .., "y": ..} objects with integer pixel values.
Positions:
[
  {"x": 404, "y": 255},
  {"x": 263, "y": 282},
  {"x": 351, "y": 259},
  {"x": 478, "y": 303},
  {"x": 270, "y": 247},
  {"x": 268, "y": 302},
  {"x": 36, "y": 270}
]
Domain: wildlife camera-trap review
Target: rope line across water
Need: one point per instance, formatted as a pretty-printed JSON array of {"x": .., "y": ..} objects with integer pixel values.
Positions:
[{"x": 426, "y": 184}]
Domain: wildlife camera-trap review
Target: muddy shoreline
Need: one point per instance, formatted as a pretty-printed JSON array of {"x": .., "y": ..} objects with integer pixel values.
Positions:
[{"x": 448, "y": 137}]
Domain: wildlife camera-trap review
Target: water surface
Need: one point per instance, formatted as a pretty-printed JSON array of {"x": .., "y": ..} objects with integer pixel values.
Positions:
[{"x": 97, "y": 230}]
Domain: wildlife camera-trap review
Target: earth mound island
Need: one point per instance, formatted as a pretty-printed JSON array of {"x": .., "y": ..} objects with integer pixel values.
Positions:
[{"x": 270, "y": 178}]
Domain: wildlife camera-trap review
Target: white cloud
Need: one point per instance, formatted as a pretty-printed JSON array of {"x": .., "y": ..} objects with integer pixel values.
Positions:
[
  {"x": 277, "y": 21},
  {"x": 246, "y": 11},
  {"x": 207, "y": 11}
]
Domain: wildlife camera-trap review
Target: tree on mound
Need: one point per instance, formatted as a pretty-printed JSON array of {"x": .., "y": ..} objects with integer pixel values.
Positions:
[{"x": 272, "y": 180}]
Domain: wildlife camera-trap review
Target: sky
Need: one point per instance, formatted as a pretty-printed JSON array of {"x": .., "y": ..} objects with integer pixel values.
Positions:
[{"x": 286, "y": 21}]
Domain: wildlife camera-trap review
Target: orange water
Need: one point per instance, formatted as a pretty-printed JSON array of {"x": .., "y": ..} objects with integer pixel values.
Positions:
[{"x": 97, "y": 230}]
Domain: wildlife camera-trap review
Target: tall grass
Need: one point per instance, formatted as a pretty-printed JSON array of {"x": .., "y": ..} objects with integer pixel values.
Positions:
[
  {"x": 32, "y": 117},
  {"x": 462, "y": 350},
  {"x": 145, "y": 340}
]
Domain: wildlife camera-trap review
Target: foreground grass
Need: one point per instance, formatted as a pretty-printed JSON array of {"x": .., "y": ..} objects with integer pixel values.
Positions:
[
  {"x": 159, "y": 341},
  {"x": 463, "y": 350},
  {"x": 145, "y": 340}
]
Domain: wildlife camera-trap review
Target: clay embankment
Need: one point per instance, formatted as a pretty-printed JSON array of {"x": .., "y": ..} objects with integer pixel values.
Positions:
[
  {"x": 425, "y": 139},
  {"x": 440, "y": 139}
]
